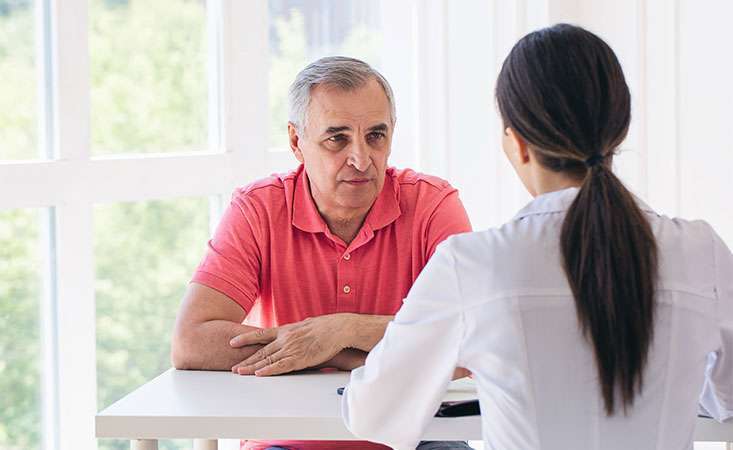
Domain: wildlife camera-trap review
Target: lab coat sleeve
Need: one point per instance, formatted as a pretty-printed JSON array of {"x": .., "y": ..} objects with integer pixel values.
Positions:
[
  {"x": 717, "y": 396},
  {"x": 393, "y": 397}
]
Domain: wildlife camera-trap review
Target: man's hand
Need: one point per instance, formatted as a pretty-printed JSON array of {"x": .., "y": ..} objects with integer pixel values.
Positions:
[{"x": 295, "y": 346}]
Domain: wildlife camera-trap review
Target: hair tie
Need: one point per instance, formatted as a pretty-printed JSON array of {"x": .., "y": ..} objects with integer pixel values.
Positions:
[{"x": 594, "y": 160}]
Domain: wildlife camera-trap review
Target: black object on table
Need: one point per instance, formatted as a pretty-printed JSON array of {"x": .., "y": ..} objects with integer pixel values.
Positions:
[{"x": 459, "y": 409}]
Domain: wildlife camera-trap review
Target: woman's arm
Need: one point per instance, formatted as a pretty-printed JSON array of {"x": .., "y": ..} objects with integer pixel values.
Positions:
[
  {"x": 394, "y": 396},
  {"x": 717, "y": 396}
]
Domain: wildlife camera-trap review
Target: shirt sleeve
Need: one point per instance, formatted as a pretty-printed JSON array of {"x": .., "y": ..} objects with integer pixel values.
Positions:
[
  {"x": 393, "y": 397},
  {"x": 232, "y": 262},
  {"x": 448, "y": 218},
  {"x": 717, "y": 396}
]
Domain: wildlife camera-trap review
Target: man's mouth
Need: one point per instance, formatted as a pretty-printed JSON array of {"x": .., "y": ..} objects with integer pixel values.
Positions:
[{"x": 357, "y": 181}]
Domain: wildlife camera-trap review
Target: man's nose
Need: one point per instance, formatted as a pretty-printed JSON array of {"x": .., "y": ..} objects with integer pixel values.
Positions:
[{"x": 359, "y": 157}]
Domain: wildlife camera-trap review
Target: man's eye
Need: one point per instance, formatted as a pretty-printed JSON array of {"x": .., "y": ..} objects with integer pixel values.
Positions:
[
  {"x": 336, "y": 142},
  {"x": 375, "y": 135}
]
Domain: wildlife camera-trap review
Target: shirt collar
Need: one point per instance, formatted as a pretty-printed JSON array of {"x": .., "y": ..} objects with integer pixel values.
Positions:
[
  {"x": 559, "y": 201},
  {"x": 386, "y": 208},
  {"x": 384, "y": 211}
]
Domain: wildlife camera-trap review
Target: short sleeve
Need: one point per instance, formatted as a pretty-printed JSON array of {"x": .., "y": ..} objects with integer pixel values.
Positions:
[
  {"x": 232, "y": 262},
  {"x": 447, "y": 218}
]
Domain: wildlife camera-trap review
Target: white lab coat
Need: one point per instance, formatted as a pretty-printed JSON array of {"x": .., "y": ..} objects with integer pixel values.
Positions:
[{"x": 497, "y": 302}]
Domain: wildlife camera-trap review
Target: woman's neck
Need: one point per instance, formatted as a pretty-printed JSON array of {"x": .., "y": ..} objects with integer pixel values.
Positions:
[{"x": 544, "y": 180}]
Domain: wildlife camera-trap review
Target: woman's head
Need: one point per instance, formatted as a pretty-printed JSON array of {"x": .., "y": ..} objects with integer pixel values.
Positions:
[
  {"x": 561, "y": 91},
  {"x": 564, "y": 102}
]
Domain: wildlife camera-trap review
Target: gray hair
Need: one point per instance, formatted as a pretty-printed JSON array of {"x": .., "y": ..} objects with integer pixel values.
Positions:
[{"x": 339, "y": 71}]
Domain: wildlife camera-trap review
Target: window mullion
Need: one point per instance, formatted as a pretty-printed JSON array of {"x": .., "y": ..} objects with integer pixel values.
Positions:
[
  {"x": 71, "y": 227},
  {"x": 75, "y": 322},
  {"x": 47, "y": 306},
  {"x": 244, "y": 87}
]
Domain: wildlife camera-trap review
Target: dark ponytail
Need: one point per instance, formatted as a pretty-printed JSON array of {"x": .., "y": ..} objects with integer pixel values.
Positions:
[{"x": 563, "y": 91}]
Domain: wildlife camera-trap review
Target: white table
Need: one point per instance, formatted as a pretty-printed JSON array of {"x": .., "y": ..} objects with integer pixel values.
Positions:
[{"x": 206, "y": 406}]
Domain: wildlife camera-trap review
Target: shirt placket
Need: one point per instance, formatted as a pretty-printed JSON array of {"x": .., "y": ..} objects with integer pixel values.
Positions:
[
  {"x": 345, "y": 282},
  {"x": 347, "y": 273}
]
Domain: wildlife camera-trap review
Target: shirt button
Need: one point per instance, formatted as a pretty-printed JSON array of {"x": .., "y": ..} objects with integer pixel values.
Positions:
[
  {"x": 347, "y": 256},
  {"x": 347, "y": 289}
]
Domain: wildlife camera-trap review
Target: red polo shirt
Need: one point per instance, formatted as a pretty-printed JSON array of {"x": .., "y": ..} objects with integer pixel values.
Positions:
[{"x": 274, "y": 255}]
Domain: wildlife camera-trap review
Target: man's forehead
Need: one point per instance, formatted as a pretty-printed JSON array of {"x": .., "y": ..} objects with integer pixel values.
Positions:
[
  {"x": 338, "y": 123},
  {"x": 336, "y": 118},
  {"x": 330, "y": 105}
]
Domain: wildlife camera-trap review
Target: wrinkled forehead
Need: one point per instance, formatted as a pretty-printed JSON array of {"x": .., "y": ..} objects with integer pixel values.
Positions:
[{"x": 333, "y": 106}]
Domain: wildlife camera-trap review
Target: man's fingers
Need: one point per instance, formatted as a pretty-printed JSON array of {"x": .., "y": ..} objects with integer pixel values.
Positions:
[
  {"x": 267, "y": 361},
  {"x": 259, "y": 336},
  {"x": 278, "y": 367},
  {"x": 258, "y": 356}
]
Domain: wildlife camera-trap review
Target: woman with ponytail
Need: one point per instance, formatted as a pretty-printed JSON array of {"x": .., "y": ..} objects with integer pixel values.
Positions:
[{"x": 588, "y": 321}]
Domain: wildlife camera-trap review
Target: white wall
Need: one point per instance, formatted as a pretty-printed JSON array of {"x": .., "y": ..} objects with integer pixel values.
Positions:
[
  {"x": 676, "y": 57},
  {"x": 705, "y": 100}
]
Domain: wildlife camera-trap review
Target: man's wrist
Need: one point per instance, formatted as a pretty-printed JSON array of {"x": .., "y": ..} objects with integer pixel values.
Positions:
[
  {"x": 362, "y": 331},
  {"x": 350, "y": 326},
  {"x": 346, "y": 359}
]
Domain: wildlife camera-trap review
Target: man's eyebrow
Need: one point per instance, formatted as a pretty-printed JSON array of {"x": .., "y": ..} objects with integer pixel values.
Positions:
[
  {"x": 331, "y": 130},
  {"x": 379, "y": 127}
]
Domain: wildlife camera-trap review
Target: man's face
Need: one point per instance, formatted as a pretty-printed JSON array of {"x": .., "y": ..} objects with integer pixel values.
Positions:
[{"x": 345, "y": 145}]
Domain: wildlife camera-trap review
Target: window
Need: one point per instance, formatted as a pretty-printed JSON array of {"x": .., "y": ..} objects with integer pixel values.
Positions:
[
  {"x": 20, "y": 321},
  {"x": 148, "y": 75},
  {"x": 144, "y": 254},
  {"x": 18, "y": 105}
]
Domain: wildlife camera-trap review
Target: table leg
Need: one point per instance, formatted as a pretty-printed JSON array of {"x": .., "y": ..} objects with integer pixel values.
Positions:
[
  {"x": 144, "y": 444},
  {"x": 204, "y": 444}
]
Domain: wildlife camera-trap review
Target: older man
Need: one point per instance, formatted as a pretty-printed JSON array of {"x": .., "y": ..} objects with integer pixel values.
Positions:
[{"x": 319, "y": 259}]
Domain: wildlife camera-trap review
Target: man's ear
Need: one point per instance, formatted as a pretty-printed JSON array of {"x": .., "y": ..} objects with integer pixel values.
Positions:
[
  {"x": 518, "y": 146},
  {"x": 294, "y": 139}
]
